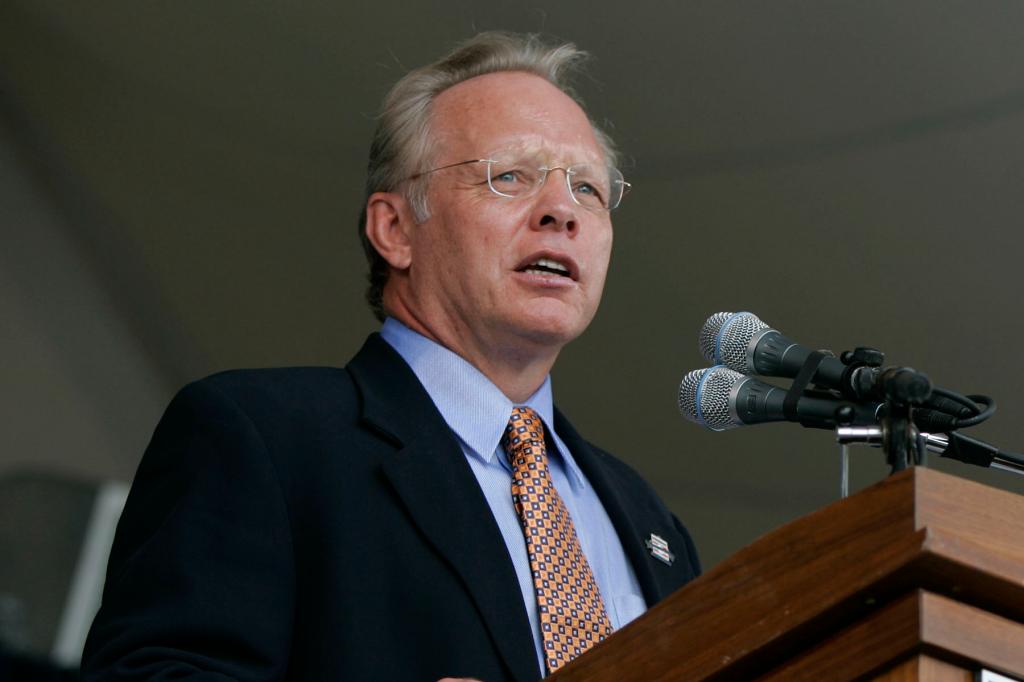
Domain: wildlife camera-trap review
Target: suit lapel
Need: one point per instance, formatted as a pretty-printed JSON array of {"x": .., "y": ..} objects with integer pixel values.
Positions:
[
  {"x": 623, "y": 515},
  {"x": 437, "y": 486}
]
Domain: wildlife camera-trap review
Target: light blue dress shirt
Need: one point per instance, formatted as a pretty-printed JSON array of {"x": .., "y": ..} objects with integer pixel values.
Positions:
[{"x": 477, "y": 412}]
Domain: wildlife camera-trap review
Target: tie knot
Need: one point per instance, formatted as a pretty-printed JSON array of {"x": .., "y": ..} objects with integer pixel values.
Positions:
[{"x": 524, "y": 428}]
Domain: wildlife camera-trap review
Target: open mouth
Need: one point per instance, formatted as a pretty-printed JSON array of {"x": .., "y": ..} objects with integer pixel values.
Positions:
[{"x": 548, "y": 266}]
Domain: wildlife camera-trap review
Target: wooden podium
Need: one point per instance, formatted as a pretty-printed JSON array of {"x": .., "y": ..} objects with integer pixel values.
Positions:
[{"x": 919, "y": 577}]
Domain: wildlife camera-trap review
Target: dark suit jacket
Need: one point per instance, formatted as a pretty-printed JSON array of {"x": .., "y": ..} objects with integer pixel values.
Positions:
[{"x": 323, "y": 524}]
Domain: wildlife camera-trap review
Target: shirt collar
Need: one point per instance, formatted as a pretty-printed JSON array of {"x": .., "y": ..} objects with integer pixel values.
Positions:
[{"x": 473, "y": 407}]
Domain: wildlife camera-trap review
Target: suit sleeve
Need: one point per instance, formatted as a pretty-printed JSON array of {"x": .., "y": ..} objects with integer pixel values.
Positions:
[{"x": 201, "y": 580}]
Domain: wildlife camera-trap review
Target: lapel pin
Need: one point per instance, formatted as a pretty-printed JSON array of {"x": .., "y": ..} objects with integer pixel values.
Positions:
[{"x": 658, "y": 548}]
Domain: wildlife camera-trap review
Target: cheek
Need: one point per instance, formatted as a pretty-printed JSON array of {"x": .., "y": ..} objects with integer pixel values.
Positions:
[
  {"x": 499, "y": 216},
  {"x": 602, "y": 254},
  {"x": 468, "y": 248},
  {"x": 609, "y": 240},
  {"x": 496, "y": 230}
]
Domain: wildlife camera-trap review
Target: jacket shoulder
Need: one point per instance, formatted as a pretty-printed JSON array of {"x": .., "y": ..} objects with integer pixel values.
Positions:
[{"x": 293, "y": 389}]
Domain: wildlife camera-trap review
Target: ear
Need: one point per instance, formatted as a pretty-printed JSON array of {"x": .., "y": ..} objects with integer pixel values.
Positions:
[{"x": 388, "y": 222}]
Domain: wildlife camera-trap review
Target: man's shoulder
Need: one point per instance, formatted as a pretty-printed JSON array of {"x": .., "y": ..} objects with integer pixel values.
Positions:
[
  {"x": 278, "y": 379},
  {"x": 278, "y": 390}
]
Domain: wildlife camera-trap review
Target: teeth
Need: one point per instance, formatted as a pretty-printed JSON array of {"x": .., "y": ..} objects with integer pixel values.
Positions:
[{"x": 554, "y": 265}]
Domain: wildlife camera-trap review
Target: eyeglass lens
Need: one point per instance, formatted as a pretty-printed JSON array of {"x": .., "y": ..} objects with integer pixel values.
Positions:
[{"x": 593, "y": 186}]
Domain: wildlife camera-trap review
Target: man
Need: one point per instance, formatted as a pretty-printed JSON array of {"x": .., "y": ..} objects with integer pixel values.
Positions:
[{"x": 424, "y": 512}]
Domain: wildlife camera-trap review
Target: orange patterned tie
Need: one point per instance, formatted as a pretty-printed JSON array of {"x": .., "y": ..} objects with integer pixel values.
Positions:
[{"x": 572, "y": 614}]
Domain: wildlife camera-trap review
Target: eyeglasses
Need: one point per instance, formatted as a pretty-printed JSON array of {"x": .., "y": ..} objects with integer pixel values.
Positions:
[{"x": 594, "y": 186}]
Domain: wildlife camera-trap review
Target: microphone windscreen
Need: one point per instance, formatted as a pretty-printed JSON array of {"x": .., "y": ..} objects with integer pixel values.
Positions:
[
  {"x": 725, "y": 339},
  {"x": 704, "y": 397}
]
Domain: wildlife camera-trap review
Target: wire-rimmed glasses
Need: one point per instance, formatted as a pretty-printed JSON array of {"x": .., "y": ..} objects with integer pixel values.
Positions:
[{"x": 591, "y": 185}]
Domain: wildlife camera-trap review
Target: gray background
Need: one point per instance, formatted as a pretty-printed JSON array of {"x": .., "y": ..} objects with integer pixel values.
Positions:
[{"x": 180, "y": 181}]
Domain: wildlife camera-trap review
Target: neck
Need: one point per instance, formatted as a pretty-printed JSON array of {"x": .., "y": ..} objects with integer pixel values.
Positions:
[
  {"x": 518, "y": 377},
  {"x": 517, "y": 369}
]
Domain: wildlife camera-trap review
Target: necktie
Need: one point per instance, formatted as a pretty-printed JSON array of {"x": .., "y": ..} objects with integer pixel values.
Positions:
[{"x": 572, "y": 614}]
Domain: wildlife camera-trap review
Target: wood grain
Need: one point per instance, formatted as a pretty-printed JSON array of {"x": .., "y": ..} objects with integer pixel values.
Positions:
[
  {"x": 808, "y": 580},
  {"x": 958, "y": 633},
  {"x": 872, "y": 644},
  {"x": 926, "y": 669}
]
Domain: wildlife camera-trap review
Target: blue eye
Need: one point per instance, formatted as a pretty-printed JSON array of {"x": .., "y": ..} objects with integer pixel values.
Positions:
[{"x": 587, "y": 194}]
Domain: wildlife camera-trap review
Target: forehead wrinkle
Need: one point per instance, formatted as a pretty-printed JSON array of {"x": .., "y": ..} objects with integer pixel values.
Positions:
[{"x": 466, "y": 117}]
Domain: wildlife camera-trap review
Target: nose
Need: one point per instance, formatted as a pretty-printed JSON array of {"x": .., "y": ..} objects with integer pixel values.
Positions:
[{"x": 554, "y": 208}]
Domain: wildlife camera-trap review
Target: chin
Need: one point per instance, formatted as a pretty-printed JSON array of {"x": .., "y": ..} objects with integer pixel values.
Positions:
[{"x": 552, "y": 330}]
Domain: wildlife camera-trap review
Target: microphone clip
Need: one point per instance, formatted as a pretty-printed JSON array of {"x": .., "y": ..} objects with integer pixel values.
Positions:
[
  {"x": 862, "y": 356},
  {"x": 901, "y": 389},
  {"x": 844, "y": 414}
]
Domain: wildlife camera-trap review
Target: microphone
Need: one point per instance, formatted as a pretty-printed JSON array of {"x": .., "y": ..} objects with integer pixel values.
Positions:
[
  {"x": 744, "y": 343},
  {"x": 719, "y": 398}
]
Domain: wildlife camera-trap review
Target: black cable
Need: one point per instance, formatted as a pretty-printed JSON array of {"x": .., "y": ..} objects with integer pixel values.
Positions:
[
  {"x": 990, "y": 409},
  {"x": 971, "y": 402},
  {"x": 957, "y": 397}
]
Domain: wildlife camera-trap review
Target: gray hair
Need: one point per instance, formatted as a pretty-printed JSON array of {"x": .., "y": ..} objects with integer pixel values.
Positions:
[{"x": 402, "y": 145}]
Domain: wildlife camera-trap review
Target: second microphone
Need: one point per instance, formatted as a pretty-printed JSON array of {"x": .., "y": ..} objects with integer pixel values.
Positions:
[{"x": 719, "y": 398}]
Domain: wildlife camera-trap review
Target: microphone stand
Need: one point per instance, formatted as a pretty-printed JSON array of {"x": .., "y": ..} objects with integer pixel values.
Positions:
[
  {"x": 899, "y": 390},
  {"x": 952, "y": 445},
  {"x": 902, "y": 389},
  {"x": 896, "y": 435}
]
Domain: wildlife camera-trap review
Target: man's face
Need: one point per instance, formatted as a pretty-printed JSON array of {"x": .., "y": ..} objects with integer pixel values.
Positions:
[{"x": 468, "y": 279}]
